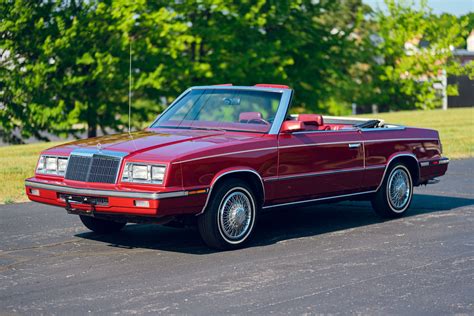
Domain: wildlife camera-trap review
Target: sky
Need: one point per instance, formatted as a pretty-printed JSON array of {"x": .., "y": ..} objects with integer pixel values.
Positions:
[{"x": 456, "y": 7}]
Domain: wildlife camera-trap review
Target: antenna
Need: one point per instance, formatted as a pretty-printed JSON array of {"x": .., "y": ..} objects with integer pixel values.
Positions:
[{"x": 130, "y": 86}]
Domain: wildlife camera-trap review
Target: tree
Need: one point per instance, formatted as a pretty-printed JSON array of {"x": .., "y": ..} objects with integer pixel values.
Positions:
[
  {"x": 414, "y": 48},
  {"x": 67, "y": 63},
  {"x": 64, "y": 65}
]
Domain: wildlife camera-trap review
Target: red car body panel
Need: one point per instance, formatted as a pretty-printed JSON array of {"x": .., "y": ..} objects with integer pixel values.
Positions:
[{"x": 311, "y": 165}]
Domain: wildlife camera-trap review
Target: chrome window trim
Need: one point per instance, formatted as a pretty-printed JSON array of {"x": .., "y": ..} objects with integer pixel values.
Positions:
[
  {"x": 226, "y": 173},
  {"x": 250, "y": 88},
  {"x": 282, "y": 111},
  {"x": 380, "y": 129},
  {"x": 106, "y": 193}
]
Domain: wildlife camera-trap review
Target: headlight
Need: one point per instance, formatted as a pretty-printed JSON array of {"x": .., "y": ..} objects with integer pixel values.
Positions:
[
  {"x": 55, "y": 165},
  {"x": 143, "y": 173}
]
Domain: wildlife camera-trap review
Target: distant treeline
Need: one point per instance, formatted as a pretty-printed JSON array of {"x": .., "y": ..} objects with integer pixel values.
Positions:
[{"x": 64, "y": 65}]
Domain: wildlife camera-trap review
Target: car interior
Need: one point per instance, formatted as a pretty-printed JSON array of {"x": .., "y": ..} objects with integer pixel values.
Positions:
[{"x": 312, "y": 122}]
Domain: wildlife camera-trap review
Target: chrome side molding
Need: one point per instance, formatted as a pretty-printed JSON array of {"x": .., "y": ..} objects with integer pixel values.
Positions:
[{"x": 319, "y": 199}]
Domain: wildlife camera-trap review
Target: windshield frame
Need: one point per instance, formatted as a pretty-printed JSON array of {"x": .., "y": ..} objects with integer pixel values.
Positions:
[{"x": 286, "y": 95}]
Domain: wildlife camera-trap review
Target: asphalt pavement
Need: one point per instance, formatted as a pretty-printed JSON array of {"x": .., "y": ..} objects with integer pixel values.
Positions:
[{"x": 333, "y": 258}]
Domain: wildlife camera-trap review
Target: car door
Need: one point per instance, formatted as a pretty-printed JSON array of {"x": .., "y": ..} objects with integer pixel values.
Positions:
[{"x": 314, "y": 164}]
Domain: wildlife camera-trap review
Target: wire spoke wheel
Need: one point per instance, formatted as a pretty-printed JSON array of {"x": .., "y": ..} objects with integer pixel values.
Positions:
[
  {"x": 395, "y": 193},
  {"x": 235, "y": 215},
  {"x": 399, "y": 189},
  {"x": 231, "y": 215}
]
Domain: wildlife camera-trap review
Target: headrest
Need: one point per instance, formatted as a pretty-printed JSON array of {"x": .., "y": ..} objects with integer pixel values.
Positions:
[
  {"x": 249, "y": 116},
  {"x": 311, "y": 119}
]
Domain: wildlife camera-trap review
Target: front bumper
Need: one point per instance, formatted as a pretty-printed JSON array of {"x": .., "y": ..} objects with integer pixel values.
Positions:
[{"x": 126, "y": 202}]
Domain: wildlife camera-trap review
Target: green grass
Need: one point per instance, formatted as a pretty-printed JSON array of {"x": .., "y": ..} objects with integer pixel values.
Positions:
[
  {"x": 18, "y": 162},
  {"x": 456, "y": 127}
]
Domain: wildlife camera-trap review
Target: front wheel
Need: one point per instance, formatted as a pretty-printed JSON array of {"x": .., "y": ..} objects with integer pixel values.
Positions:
[
  {"x": 101, "y": 226},
  {"x": 395, "y": 194},
  {"x": 230, "y": 216}
]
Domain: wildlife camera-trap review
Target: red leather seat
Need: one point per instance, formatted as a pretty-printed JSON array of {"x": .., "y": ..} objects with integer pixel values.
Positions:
[{"x": 313, "y": 122}]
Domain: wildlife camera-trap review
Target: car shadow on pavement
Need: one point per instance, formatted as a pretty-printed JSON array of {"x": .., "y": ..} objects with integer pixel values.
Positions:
[{"x": 275, "y": 226}]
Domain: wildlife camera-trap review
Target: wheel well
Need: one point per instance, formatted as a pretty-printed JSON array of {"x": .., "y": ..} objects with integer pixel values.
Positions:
[
  {"x": 412, "y": 164},
  {"x": 251, "y": 179}
]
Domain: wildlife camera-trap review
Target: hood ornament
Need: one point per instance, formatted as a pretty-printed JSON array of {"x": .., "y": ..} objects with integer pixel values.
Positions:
[{"x": 99, "y": 147}]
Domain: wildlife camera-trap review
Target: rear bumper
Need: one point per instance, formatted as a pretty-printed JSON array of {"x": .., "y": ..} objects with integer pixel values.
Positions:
[
  {"x": 433, "y": 168},
  {"x": 125, "y": 202}
]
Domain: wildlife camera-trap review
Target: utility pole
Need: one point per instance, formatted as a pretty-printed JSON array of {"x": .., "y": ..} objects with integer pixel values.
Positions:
[
  {"x": 444, "y": 83},
  {"x": 354, "y": 108}
]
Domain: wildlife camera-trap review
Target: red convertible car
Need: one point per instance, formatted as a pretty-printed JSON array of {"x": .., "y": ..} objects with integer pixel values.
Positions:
[{"x": 220, "y": 155}]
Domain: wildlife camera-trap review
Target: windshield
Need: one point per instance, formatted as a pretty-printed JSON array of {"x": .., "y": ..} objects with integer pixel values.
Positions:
[{"x": 226, "y": 109}]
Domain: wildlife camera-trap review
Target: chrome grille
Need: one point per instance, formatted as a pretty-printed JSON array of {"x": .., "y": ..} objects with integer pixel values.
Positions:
[
  {"x": 78, "y": 168},
  {"x": 104, "y": 169},
  {"x": 93, "y": 168}
]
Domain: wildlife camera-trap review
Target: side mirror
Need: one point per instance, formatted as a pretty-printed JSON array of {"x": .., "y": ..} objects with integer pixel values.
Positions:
[{"x": 292, "y": 126}]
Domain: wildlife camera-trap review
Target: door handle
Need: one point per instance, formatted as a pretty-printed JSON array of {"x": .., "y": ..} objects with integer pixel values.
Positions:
[{"x": 354, "y": 145}]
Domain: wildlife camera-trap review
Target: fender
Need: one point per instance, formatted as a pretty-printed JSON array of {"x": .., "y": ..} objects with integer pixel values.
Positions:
[
  {"x": 394, "y": 156},
  {"x": 225, "y": 172}
]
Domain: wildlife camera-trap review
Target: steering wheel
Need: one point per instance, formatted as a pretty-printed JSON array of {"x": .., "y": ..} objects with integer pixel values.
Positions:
[{"x": 258, "y": 121}]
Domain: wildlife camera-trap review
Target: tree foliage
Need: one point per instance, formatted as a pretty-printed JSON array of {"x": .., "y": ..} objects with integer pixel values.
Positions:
[
  {"x": 64, "y": 65},
  {"x": 414, "y": 49}
]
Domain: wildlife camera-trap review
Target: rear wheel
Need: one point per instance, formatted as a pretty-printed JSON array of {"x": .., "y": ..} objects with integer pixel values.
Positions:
[
  {"x": 395, "y": 194},
  {"x": 101, "y": 226},
  {"x": 230, "y": 216}
]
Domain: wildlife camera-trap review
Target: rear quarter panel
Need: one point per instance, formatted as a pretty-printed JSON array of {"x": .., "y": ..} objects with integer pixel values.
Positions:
[{"x": 382, "y": 145}]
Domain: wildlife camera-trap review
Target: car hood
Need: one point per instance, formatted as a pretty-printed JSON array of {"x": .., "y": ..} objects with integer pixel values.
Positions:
[{"x": 153, "y": 143}]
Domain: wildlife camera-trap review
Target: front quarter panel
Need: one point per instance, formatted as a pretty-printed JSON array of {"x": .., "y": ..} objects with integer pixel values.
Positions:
[{"x": 260, "y": 156}]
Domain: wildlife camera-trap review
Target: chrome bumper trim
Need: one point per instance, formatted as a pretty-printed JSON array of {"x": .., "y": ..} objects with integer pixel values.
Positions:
[
  {"x": 442, "y": 161},
  {"x": 122, "y": 194}
]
